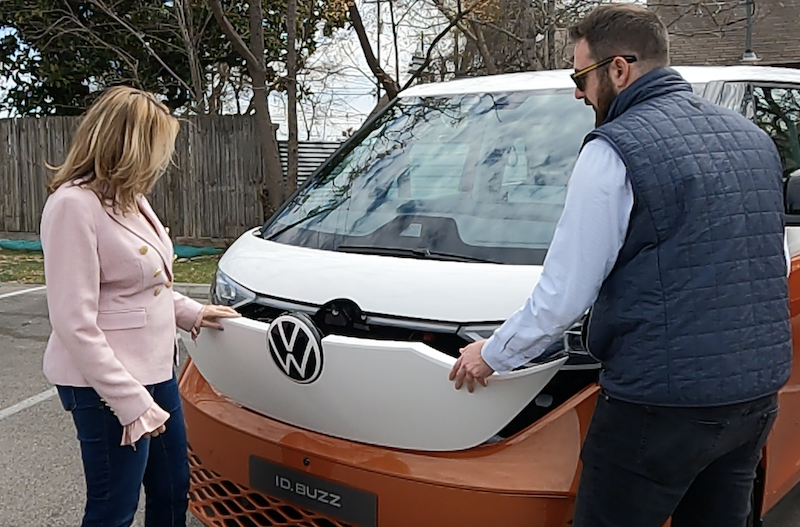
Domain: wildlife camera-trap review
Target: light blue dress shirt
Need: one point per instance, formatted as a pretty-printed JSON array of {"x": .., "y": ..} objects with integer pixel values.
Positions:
[
  {"x": 584, "y": 249},
  {"x": 585, "y": 246}
]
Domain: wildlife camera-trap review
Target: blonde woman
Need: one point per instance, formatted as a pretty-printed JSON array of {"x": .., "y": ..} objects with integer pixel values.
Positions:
[{"x": 108, "y": 267}]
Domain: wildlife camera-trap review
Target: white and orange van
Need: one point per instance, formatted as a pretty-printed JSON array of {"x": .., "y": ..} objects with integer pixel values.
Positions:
[{"x": 328, "y": 403}]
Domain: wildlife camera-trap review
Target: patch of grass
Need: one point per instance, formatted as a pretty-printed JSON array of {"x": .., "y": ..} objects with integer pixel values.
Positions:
[
  {"x": 21, "y": 267},
  {"x": 28, "y": 268},
  {"x": 199, "y": 270}
]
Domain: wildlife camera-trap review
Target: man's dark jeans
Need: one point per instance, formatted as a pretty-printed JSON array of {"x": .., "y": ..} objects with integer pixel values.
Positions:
[
  {"x": 115, "y": 474},
  {"x": 643, "y": 464}
]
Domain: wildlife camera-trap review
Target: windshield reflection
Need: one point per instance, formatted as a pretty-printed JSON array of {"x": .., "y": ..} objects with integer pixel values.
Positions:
[{"x": 482, "y": 177}]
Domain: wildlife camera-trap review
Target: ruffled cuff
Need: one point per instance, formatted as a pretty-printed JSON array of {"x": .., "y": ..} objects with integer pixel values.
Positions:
[
  {"x": 196, "y": 327},
  {"x": 148, "y": 422}
]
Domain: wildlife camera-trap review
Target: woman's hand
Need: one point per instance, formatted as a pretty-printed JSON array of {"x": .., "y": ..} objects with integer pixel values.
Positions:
[
  {"x": 212, "y": 313},
  {"x": 157, "y": 432},
  {"x": 154, "y": 419}
]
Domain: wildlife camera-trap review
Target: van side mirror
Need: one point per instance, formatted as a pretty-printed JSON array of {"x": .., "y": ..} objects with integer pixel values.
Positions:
[{"x": 791, "y": 196}]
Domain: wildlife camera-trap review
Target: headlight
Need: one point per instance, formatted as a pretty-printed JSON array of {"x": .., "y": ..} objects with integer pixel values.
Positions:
[{"x": 226, "y": 292}]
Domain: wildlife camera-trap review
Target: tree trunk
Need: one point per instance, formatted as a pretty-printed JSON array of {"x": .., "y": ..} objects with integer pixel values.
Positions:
[
  {"x": 291, "y": 94},
  {"x": 390, "y": 85},
  {"x": 273, "y": 190},
  {"x": 394, "y": 41},
  {"x": 271, "y": 193},
  {"x": 483, "y": 49},
  {"x": 551, "y": 35},
  {"x": 183, "y": 13}
]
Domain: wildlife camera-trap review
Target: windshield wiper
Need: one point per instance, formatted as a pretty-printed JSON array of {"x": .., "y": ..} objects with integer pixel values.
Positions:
[{"x": 409, "y": 253}]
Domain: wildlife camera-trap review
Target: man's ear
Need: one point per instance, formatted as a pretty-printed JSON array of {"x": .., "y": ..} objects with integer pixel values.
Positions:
[{"x": 621, "y": 73}]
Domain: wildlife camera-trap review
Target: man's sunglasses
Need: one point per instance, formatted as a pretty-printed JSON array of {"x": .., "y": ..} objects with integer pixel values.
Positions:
[{"x": 579, "y": 77}]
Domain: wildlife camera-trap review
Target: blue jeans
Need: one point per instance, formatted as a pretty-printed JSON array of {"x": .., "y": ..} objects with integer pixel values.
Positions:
[
  {"x": 115, "y": 474},
  {"x": 642, "y": 464}
]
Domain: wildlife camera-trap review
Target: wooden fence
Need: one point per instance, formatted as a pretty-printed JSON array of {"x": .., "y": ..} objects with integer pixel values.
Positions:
[{"x": 208, "y": 197}]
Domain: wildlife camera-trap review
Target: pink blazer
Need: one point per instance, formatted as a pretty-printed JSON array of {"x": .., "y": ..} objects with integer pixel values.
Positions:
[{"x": 110, "y": 299}]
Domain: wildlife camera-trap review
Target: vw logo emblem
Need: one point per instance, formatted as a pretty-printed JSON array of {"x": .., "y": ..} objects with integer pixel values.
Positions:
[{"x": 296, "y": 347}]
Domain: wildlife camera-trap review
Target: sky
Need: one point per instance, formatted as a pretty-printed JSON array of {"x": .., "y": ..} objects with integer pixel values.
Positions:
[{"x": 350, "y": 95}]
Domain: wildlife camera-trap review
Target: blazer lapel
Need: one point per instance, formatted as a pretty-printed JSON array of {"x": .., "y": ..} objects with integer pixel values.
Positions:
[{"x": 157, "y": 239}]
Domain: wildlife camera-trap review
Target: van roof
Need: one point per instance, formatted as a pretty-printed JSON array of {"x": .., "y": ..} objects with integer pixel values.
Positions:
[{"x": 559, "y": 79}]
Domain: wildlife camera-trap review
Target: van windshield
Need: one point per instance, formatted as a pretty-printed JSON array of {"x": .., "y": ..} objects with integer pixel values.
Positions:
[{"x": 469, "y": 177}]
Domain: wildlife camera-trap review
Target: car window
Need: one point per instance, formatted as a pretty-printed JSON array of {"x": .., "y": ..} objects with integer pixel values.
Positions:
[
  {"x": 776, "y": 110},
  {"x": 480, "y": 176},
  {"x": 733, "y": 96},
  {"x": 699, "y": 88}
]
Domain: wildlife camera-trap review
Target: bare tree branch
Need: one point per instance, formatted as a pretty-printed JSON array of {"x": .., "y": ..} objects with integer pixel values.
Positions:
[
  {"x": 291, "y": 95},
  {"x": 501, "y": 30},
  {"x": 100, "y": 4},
  {"x": 483, "y": 49},
  {"x": 88, "y": 35},
  {"x": 436, "y": 40},
  {"x": 450, "y": 17},
  {"x": 184, "y": 16},
  {"x": 394, "y": 40},
  {"x": 236, "y": 40},
  {"x": 389, "y": 84}
]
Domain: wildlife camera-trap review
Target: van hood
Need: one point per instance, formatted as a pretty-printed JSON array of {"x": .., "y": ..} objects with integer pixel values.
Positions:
[{"x": 422, "y": 289}]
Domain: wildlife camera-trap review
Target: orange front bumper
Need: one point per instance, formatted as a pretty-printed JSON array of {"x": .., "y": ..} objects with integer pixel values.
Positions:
[{"x": 528, "y": 480}]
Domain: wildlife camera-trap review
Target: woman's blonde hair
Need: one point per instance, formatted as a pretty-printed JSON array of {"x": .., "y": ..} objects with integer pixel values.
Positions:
[{"x": 123, "y": 145}]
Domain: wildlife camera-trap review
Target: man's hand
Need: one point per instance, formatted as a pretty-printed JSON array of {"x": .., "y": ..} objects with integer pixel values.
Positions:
[
  {"x": 212, "y": 313},
  {"x": 471, "y": 367}
]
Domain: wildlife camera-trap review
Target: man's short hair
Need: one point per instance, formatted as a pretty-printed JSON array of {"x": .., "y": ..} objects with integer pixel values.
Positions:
[{"x": 624, "y": 29}]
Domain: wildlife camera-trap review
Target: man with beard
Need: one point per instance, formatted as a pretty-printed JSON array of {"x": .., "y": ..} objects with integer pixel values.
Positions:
[{"x": 673, "y": 229}]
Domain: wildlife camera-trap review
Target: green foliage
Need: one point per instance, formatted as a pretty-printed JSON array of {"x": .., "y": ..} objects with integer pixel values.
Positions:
[{"x": 60, "y": 53}]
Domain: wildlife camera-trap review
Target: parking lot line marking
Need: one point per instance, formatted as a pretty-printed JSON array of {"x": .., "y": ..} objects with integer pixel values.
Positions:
[
  {"x": 17, "y": 293},
  {"x": 27, "y": 403}
]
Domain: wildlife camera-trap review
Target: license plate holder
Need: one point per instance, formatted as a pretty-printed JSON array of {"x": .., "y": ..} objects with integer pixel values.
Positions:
[{"x": 330, "y": 498}]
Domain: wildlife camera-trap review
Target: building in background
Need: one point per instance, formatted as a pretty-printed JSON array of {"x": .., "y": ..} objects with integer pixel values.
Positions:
[{"x": 715, "y": 32}]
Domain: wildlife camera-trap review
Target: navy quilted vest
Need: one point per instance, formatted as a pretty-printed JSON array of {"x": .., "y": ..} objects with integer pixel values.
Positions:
[{"x": 695, "y": 311}]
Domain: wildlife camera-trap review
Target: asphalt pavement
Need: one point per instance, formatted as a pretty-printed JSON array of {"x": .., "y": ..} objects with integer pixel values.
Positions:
[{"x": 42, "y": 482}]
